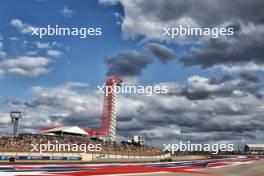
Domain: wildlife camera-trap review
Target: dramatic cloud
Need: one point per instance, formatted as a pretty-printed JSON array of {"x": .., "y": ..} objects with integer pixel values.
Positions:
[
  {"x": 202, "y": 88},
  {"x": 163, "y": 53},
  {"x": 220, "y": 109},
  {"x": 127, "y": 64},
  {"x": 245, "y": 47},
  {"x": 66, "y": 12},
  {"x": 61, "y": 105},
  {"x": 250, "y": 77},
  {"x": 226, "y": 110},
  {"x": 24, "y": 28},
  {"x": 25, "y": 66},
  {"x": 31, "y": 63},
  {"x": 245, "y": 67},
  {"x": 148, "y": 18}
]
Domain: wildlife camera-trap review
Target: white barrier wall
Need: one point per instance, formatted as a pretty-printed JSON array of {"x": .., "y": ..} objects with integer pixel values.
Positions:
[{"x": 89, "y": 157}]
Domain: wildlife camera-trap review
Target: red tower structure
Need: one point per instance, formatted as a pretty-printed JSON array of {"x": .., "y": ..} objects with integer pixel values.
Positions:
[{"x": 108, "y": 121}]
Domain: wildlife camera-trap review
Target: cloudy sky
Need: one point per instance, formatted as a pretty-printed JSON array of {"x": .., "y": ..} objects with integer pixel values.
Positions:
[{"x": 215, "y": 85}]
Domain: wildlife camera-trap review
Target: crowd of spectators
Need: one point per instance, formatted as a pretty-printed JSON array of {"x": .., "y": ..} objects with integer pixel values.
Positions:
[{"x": 24, "y": 141}]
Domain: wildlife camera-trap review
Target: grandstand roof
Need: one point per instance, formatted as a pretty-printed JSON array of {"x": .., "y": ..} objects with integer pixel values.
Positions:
[
  {"x": 256, "y": 145},
  {"x": 65, "y": 129}
]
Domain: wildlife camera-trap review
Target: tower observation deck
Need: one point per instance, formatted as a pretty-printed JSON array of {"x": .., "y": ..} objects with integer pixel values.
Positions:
[{"x": 15, "y": 116}]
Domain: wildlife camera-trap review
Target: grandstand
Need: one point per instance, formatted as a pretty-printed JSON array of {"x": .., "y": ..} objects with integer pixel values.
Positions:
[
  {"x": 24, "y": 141},
  {"x": 20, "y": 148},
  {"x": 254, "y": 149}
]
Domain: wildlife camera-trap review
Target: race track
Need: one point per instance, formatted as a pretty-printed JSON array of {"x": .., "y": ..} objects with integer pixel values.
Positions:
[{"x": 234, "y": 167}]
